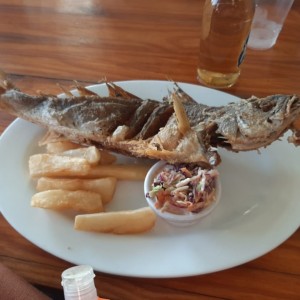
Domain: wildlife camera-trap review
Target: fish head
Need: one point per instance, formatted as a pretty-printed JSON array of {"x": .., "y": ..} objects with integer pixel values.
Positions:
[{"x": 255, "y": 123}]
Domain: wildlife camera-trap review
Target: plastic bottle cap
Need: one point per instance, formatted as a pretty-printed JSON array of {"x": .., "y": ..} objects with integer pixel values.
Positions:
[{"x": 78, "y": 283}]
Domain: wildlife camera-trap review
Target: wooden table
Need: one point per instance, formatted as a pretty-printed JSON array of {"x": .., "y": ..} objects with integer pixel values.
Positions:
[{"x": 47, "y": 42}]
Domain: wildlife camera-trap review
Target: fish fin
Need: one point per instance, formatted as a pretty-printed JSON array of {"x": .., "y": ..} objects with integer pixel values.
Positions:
[
  {"x": 111, "y": 90},
  {"x": 185, "y": 98},
  {"x": 65, "y": 91},
  {"x": 84, "y": 91},
  {"x": 181, "y": 116},
  {"x": 116, "y": 91}
]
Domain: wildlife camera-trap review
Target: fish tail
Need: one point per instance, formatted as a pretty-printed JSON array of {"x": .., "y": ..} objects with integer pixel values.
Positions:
[{"x": 5, "y": 84}]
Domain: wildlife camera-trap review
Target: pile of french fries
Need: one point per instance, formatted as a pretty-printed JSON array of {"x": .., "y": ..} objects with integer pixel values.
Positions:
[{"x": 84, "y": 179}]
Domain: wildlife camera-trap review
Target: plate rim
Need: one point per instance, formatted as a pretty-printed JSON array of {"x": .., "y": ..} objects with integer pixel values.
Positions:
[{"x": 166, "y": 275}]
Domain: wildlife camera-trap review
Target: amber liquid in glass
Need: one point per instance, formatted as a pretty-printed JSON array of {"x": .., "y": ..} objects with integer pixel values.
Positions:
[{"x": 226, "y": 26}]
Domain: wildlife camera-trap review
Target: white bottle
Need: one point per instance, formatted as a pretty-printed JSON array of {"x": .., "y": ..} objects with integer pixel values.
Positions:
[{"x": 78, "y": 283}]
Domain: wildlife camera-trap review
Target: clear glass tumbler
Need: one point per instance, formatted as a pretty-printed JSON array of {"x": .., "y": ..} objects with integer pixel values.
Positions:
[{"x": 268, "y": 20}]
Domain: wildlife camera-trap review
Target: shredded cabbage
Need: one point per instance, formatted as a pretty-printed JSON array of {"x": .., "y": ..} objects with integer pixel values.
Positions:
[{"x": 184, "y": 188}]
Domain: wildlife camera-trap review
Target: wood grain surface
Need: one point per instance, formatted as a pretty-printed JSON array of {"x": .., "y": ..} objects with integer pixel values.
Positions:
[{"x": 43, "y": 43}]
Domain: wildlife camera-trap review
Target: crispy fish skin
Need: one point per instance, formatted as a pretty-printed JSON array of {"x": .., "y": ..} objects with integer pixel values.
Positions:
[
  {"x": 259, "y": 122},
  {"x": 91, "y": 119},
  {"x": 250, "y": 124},
  {"x": 147, "y": 128}
]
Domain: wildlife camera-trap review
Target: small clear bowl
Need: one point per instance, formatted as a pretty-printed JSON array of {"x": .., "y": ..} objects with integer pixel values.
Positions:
[{"x": 175, "y": 219}]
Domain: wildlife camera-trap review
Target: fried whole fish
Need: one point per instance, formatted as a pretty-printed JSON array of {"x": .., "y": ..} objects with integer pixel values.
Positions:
[{"x": 177, "y": 129}]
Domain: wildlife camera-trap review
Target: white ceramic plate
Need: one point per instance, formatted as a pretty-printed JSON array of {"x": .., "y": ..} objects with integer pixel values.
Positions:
[{"x": 259, "y": 209}]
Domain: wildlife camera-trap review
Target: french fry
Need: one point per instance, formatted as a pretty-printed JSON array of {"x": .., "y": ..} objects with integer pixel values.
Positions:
[
  {"x": 83, "y": 179},
  {"x": 104, "y": 186},
  {"x": 67, "y": 148},
  {"x": 91, "y": 154},
  {"x": 82, "y": 201},
  {"x": 48, "y": 165},
  {"x": 106, "y": 157},
  {"x": 118, "y": 222},
  {"x": 125, "y": 172},
  {"x": 61, "y": 146}
]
